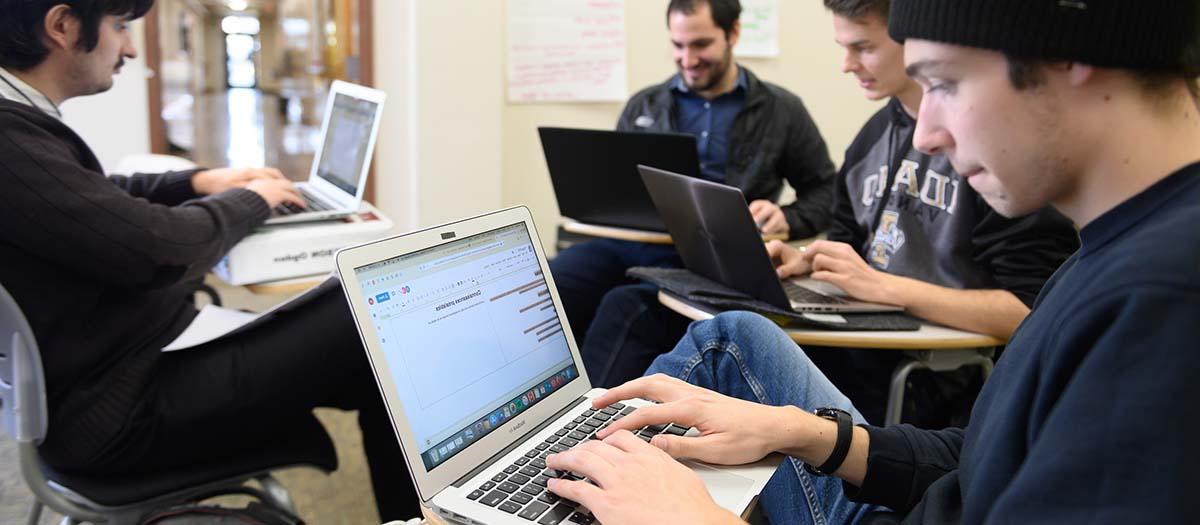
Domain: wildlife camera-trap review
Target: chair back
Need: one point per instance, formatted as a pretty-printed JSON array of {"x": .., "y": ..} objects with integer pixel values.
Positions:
[{"x": 23, "y": 413}]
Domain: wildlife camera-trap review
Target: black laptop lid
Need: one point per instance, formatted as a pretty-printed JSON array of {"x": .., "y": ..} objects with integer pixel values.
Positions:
[
  {"x": 714, "y": 233},
  {"x": 595, "y": 176}
]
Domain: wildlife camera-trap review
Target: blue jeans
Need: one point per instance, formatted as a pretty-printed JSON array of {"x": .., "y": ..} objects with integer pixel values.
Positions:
[
  {"x": 586, "y": 271},
  {"x": 629, "y": 331},
  {"x": 746, "y": 356}
]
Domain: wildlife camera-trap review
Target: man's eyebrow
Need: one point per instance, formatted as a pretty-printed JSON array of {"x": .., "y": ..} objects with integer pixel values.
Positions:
[{"x": 920, "y": 68}]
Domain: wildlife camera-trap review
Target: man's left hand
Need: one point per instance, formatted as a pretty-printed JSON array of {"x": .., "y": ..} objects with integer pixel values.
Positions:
[
  {"x": 838, "y": 263},
  {"x": 768, "y": 216},
  {"x": 212, "y": 182},
  {"x": 634, "y": 482}
]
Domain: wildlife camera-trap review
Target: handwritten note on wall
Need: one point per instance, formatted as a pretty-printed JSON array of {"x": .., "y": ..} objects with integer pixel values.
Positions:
[
  {"x": 566, "y": 51},
  {"x": 760, "y": 29}
]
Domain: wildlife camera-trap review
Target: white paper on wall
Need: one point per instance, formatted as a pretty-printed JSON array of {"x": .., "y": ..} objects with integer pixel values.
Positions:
[
  {"x": 760, "y": 29},
  {"x": 566, "y": 51}
]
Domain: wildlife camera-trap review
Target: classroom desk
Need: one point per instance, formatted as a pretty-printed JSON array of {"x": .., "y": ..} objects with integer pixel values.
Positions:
[
  {"x": 627, "y": 234},
  {"x": 293, "y": 286},
  {"x": 932, "y": 347}
]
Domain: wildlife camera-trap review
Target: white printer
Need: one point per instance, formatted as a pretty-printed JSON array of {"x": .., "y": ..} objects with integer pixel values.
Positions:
[{"x": 296, "y": 250}]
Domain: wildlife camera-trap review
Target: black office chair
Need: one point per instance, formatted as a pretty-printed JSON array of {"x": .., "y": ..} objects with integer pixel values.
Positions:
[{"x": 107, "y": 500}]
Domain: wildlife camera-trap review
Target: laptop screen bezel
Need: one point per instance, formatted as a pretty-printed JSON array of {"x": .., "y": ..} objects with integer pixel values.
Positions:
[
  {"x": 431, "y": 482},
  {"x": 326, "y": 188}
]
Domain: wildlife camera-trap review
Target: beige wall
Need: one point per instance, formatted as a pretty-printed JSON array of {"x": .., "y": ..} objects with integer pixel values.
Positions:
[
  {"x": 440, "y": 143},
  {"x": 452, "y": 146},
  {"x": 809, "y": 65}
]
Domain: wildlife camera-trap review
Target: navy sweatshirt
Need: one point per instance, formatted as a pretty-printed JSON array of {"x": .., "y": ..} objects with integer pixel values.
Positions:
[{"x": 1092, "y": 414}]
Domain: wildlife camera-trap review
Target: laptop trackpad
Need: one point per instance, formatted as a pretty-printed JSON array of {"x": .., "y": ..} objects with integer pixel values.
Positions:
[{"x": 728, "y": 490}]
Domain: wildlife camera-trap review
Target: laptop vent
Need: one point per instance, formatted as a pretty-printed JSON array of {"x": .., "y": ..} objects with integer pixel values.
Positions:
[{"x": 447, "y": 235}]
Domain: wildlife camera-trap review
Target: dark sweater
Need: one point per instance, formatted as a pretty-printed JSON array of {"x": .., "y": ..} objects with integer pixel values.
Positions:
[
  {"x": 99, "y": 266},
  {"x": 1092, "y": 414},
  {"x": 772, "y": 139},
  {"x": 911, "y": 214}
]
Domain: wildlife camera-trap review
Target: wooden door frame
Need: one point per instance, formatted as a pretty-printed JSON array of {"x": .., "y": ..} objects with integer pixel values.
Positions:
[{"x": 158, "y": 128}]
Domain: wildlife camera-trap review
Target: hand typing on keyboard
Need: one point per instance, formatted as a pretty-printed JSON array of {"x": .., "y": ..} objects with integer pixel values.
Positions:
[
  {"x": 837, "y": 263},
  {"x": 630, "y": 481}
]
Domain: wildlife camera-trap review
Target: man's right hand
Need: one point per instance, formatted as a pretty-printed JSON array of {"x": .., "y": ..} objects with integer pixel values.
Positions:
[
  {"x": 788, "y": 261},
  {"x": 276, "y": 192},
  {"x": 732, "y": 431}
]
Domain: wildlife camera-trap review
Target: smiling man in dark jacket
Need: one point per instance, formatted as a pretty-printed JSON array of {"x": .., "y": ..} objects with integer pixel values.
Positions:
[{"x": 750, "y": 134}]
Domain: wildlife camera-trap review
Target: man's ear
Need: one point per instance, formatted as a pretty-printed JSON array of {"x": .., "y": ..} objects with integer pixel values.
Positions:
[
  {"x": 1079, "y": 74},
  {"x": 734, "y": 33},
  {"x": 61, "y": 28}
]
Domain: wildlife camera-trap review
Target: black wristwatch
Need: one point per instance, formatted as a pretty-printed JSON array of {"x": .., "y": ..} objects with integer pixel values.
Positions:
[{"x": 845, "y": 430}]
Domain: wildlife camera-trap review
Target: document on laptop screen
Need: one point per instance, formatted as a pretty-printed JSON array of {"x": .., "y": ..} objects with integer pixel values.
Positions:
[{"x": 470, "y": 335}]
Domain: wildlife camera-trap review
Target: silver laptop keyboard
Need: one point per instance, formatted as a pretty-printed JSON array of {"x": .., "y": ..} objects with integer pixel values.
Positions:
[
  {"x": 311, "y": 204},
  {"x": 521, "y": 488},
  {"x": 800, "y": 294}
]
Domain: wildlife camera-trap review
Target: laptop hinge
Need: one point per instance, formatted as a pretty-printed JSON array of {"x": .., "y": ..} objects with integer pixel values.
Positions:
[{"x": 463, "y": 480}]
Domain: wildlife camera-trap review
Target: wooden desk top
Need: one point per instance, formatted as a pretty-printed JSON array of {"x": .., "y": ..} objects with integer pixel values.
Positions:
[
  {"x": 293, "y": 286},
  {"x": 626, "y": 234},
  {"x": 928, "y": 337}
]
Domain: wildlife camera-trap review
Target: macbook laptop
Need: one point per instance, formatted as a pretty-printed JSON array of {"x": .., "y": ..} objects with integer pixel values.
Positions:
[
  {"x": 594, "y": 173},
  {"x": 338, "y": 178},
  {"x": 716, "y": 237},
  {"x": 480, "y": 373}
]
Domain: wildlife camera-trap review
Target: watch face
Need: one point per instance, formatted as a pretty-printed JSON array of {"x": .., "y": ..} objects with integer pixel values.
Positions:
[{"x": 830, "y": 412}]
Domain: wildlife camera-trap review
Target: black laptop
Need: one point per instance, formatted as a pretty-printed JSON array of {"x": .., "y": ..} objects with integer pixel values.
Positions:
[
  {"x": 595, "y": 175},
  {"x": 716, "y": 237}
]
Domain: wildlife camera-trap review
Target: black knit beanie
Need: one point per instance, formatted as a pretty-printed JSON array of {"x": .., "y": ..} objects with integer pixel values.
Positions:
[{"x": 1153, "y": 35}]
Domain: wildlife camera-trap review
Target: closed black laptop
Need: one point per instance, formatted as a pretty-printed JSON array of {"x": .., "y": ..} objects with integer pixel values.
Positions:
[{"x": 595, "y": 174}]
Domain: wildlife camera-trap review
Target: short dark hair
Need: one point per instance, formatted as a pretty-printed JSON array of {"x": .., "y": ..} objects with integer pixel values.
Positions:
[
  {"x": 725, "y": 13},
  {"x": 1024, "y": 73},
  {"x": 859, "y": 9},
  {"x": 21, "y": 22}
]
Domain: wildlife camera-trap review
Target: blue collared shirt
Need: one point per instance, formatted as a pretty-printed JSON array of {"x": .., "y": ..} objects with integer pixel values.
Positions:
[{"x": 709, "y": 121}]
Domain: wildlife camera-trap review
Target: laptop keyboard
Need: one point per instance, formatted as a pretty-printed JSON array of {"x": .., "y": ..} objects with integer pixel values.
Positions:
[
  {"x": 288, "y": 208},
  {"x": 521, "y": 488},
  {"x": 800, "y": 294}
]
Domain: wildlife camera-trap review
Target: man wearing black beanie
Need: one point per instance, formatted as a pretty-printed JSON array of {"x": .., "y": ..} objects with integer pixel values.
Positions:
[{"x": 1090, "y": 106}]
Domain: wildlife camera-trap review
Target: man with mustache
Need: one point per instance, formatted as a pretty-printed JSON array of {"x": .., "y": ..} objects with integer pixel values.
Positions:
[{"x": 105, "y": 268}]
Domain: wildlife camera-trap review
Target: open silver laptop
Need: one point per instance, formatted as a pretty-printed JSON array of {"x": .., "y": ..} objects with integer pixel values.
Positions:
[
  {"x": 480, "y": 373},
  {"x": 338, "y": 177},
  {"x": 716, "y": 237}
]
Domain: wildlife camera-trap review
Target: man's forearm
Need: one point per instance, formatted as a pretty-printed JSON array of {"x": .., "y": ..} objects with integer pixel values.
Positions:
[
  {"x": 811, "y": 439},
  {"x": 992, "y": 312}
]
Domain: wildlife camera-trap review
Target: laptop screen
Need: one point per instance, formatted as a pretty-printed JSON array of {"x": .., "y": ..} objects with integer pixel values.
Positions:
[
  {"x": 470, "y": 334},
  {"x": 347, "y": 138}
]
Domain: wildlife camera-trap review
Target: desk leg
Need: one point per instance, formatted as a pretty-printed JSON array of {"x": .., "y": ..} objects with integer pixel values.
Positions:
[
  {"x": 895, "y": 403},
  {"x": 938, "y": 361}
]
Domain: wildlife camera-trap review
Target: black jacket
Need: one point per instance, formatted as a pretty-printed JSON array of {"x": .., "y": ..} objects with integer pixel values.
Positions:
[
  {"x": 101, "y": 267},
  {"x": 772, "y": 139}
]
